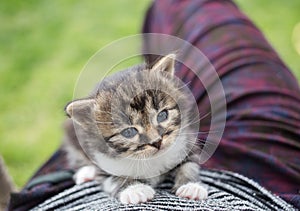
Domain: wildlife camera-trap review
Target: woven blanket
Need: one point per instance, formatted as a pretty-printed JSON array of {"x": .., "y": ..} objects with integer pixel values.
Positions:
[{"x": 227, "y": 191}]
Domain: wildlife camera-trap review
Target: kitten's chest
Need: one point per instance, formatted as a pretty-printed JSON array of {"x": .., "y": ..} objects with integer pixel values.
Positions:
[{"x": 143, "y": 168}]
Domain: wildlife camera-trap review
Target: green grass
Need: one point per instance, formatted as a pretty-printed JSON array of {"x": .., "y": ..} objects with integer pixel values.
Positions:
[
  {"x": 277, "y": 19},
  {"x": 45, "y": 44}
]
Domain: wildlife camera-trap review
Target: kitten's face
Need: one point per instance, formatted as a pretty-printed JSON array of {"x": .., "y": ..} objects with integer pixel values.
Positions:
[
  {"x": 143, "y": 126},
  {"x": 136, "y": 113}
]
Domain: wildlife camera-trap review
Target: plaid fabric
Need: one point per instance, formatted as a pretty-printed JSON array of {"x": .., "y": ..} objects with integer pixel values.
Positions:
[
  {"x": 261, "y": 138},
  {"x": 262, "y": 135}
]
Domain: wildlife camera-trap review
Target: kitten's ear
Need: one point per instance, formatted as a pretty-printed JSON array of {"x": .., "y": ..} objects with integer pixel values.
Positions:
[
  {"x": 167, "y": 64},
  {"x": 81, "y": 111}
]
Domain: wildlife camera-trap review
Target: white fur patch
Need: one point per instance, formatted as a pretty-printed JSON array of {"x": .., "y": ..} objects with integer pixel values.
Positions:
[
  {"x": 135, "y": 194},
  {"x": 193, "y": 191},
  {"x": 144, "y": 168},
  {"x": 109, "y": 185},
  {"x": 84, "y": 174}
]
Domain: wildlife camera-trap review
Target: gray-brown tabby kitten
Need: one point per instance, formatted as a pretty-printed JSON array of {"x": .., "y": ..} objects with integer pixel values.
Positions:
[{"x": 137, "y": 129}]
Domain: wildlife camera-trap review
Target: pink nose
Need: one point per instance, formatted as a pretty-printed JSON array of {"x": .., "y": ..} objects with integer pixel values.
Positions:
[{"x": 157, "y": 144}]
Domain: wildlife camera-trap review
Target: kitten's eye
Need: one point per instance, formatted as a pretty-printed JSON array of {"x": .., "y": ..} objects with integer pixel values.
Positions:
[
  {"x": 162, "y": 116},
  {"x": 129, "y": 132}
]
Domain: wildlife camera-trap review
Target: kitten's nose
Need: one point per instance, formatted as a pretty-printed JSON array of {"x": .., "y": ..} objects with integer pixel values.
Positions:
[{"x": 157, "y": 144}]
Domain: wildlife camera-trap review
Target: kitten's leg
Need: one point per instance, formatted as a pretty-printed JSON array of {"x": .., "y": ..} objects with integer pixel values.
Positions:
[
  {"x": 128, "y": 191},
  {"x": 85, "y": 174},
  {"x": 187, "y": 182}
]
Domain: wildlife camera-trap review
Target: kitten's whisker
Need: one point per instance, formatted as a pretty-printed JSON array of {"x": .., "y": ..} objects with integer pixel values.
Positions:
[
  {"x": 131, "y": 157},
  {"x": 107, "y": 112},
  {"x": 103, "y": 122},
  {"x": 207, "y": 144},
  {"x": 143, "y": 164},
  {"x": 202, "y": 132},
  {"x": 193, "y": 121},
  {"x": 124, "y": 181},
  {"x": 181, "y": 134},
  {"x": 211, "y": 131},
  {"x": 205, "y": 115},
  {"x": 204, "y": 140},
  {"x": 182, "y": 127},
  {"x": 136, "y": 163},
  {"x": 199, "y": 142},
  {"x": 115, "y": 114},
  {"x": 186, "y": 152},
  {"x": 146, "y": 165},
  {"x": 123, "y": 114},
  {"x": 203, "y": 151},
  {"x": 133, "y": 166},
  {"x": 185, "y": 85}
]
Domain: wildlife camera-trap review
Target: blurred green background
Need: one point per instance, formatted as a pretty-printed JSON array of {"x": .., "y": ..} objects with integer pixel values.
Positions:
[{"x": 45, "y": 44}]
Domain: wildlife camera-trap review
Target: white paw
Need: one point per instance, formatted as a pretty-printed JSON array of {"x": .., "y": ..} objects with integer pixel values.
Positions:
[
  {"x": 135, "y": 194},
  {"x": 84, "y": 174},
  {"x": 192, "y": 191}
]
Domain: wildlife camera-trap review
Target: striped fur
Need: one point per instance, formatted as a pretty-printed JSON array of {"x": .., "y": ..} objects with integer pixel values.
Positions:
[{"x": 139, "y": 119}]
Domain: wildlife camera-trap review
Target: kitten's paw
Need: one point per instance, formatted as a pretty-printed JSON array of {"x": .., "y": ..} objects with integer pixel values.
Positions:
[
  {"x": 193, "y": 191},
  {"x": 84, "y": 174},
  {"x": 135, "y": 194}
]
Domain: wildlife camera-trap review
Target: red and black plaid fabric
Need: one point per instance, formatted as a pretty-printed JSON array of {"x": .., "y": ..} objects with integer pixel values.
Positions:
[{"x": 262, "y": 134}]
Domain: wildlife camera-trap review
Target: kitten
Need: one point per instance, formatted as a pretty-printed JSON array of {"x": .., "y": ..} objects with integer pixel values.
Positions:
[{"x": 133, "y": 131}]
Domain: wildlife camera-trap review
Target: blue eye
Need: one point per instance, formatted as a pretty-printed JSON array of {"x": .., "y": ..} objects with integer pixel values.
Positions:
[
  {"x": 162, "y": 116},
  {"x": 129, "y": 132}
]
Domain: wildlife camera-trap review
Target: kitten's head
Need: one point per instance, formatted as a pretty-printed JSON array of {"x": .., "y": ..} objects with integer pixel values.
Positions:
[{"x": 136, "y": 113}]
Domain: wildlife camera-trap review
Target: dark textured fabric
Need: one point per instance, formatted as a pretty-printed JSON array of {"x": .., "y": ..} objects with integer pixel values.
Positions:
[
  {"x": 262, "y": 135},
  {"x": 227, "y": 191},
  {"x": 30, "y": 197},
  {"x": 53, "y": 178}
]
